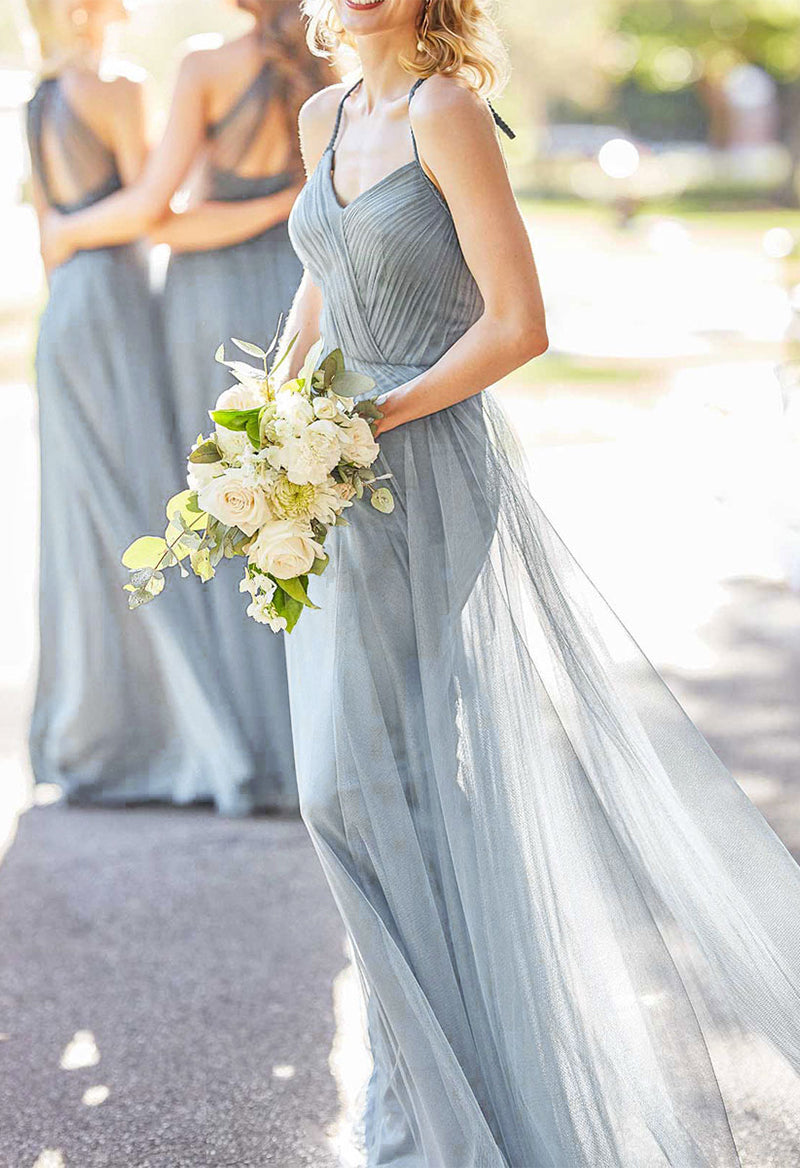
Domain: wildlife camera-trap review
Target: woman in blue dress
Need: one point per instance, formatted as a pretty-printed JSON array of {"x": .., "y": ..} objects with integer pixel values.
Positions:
[
  {"x": 575, "y": 933},
  {"x": 232, "y": 273},
  {"x": 116, "y": 705}
]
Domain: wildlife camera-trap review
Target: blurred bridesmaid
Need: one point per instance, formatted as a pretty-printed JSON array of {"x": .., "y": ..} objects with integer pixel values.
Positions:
[
  {"x": 115, "y": 695},
  {"x": 231, "y": 137}
]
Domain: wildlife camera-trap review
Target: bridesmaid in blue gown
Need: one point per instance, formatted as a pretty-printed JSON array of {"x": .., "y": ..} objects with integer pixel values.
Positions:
[
  {"x": 574, "y": 930},
  {"x": 113, "y": 716},
  {"x": 233, "y": 272}
]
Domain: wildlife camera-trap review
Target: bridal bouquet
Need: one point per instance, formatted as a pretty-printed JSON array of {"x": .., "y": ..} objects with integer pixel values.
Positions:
[{"x": 281, "y": 466}]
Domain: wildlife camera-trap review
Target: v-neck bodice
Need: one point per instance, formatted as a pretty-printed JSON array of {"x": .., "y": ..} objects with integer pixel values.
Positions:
[{"x": 396, "y": 288}]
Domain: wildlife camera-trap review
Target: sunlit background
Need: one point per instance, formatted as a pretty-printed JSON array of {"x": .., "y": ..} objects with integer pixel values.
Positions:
[{"x": 658, "y": 166}]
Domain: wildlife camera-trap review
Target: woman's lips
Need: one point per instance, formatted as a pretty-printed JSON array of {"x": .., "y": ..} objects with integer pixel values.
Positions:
[{"x": 363, "y": 7}]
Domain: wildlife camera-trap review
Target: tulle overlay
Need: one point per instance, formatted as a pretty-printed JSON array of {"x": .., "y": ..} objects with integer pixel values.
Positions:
[{"x": 573, "y": 929}]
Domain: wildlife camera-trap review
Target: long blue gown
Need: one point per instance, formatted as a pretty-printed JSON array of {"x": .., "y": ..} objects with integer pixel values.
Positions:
[
  {"x": 209, "y": 297},
  {"x": 126, "y": 705},
  {"x": 569, "y": 920}
]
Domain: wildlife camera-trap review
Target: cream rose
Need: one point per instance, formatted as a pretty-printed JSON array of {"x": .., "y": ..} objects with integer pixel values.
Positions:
[
  {"x": 357, "y": 443},
  {"x": 326, "y": 409},
  {"x": 285, "y": 549},
  {"x": 234, "y": 499}
]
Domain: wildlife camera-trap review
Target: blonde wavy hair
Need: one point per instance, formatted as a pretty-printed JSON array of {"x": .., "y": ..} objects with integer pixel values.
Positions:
[{"x": 457, "y": 38}]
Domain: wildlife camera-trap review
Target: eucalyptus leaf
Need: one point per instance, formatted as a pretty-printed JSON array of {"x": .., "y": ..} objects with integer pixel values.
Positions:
[
  {"x": 276, "y": 334},
  {"x": 146, "y": 552},
  {"x": 140, "y": 577},
  {"x": 207, "y": 451},
  {"x": 348, "y": 383},
  {"x": 286, "y": 351},
  {"x": 331, "y": 366},
  {"x": 383, "y": 500},
  {"x": 311, "y": 362},
  {"x": 184, "y": 506},
  {"x": 249, "y": 348}
]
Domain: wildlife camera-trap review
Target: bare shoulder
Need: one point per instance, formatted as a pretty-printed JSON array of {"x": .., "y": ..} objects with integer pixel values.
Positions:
[
  {"x": 107, "y": 103},
  {"x": 446, "y": 106},
  {"x": 125, "y": 93},
  {"x": 318, "y": 113},
  {"x": 316, "y": 121}
]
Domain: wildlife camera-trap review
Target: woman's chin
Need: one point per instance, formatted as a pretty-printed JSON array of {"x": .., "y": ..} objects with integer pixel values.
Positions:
[{"x": 363, "y": 16}]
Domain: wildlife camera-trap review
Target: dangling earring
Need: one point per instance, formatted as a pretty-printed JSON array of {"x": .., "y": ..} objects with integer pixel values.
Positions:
[{"x": 424, "y": 27}]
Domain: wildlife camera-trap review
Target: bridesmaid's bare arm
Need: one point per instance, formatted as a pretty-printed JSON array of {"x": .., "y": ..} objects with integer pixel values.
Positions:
[
  {"x": 215, "y": 224},
  {"x": 457, "y": 140},
  {"x": 316, "y": 124}
]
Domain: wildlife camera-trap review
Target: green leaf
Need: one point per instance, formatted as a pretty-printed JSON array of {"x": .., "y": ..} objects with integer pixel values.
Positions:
[
  {"x": 286, "y": 351},
  {"x": 235, "y": 419},
  {"x": 366, "y": 408},
  {"x": 249, "y": 348},
  {"x": 277, "y": 334},
  {"x": 254, "y": 430},
  {"x": 311, "y": 362},
  {"x": 296, "y": 588},
  {"x": 185, "y": 505},
  {"x": 319, "y": 565},
  {"x": 141, "y": 577},
  {"x": 349, "y": 383},
  {"x": 332, "y": 366},
  {"x": 146, "y": 552},
  {"x": 207, "y": 451},
  {"x": 174, "y": 537},
  {"x": 287, "y": 607},
  {"x": 383, "y": 500}
]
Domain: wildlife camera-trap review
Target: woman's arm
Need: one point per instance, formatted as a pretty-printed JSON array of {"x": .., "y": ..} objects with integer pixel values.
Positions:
[
  {"x": 302, "y": 323},
  {"x": 215, "y": 224},
  {"x": 511, "y": 329},
  {"x": 131, "y": 212},
  {"x": 316, "y": 122}
]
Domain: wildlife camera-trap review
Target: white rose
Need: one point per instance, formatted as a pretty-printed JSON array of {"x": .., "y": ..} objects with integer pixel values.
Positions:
[
  {"x": 326, "y": 409},
  {"x": 200, "y": 474},
  {"x": 234, "y": 500},
  {"x": 285, "y": 549},
  {"x": 312, "y": 456},
  {"x": 295, "y": 410},
  {"x": 239, "y": 397},
  {"x": 357, "y": 443}
]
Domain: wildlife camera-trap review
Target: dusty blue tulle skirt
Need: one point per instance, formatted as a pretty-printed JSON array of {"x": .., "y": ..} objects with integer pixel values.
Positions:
[
  {"x": 209, "y": 297},
  {"x": 575, "y": 933},
  {"x": 120, "y": 714}
]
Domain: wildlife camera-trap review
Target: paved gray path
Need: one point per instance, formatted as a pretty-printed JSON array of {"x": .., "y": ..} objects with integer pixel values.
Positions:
[{"x": 199, "y": 952}]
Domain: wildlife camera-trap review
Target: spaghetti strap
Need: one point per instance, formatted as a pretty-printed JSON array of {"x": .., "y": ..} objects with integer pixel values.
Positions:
[
  {"x": 501, "y": 123},
  {"x": 338, "y": 122}
]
